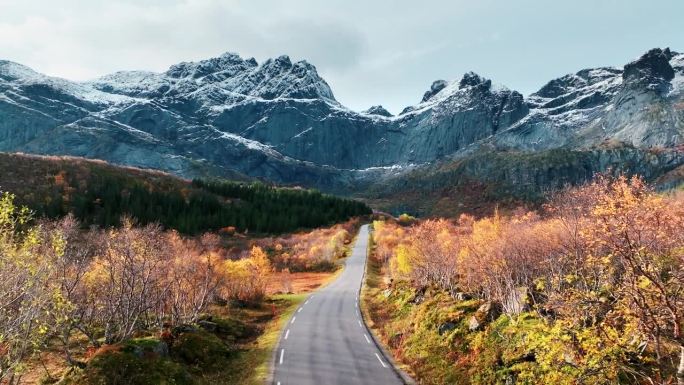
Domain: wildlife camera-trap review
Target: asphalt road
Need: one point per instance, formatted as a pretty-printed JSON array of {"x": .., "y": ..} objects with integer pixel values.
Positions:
[{"x": 326, "y": 342}]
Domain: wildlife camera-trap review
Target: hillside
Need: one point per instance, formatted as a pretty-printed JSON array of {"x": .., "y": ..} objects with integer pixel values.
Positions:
[
  {"x": 587, "y": 290},
  {"x": 143, "y": 305},
  {"x": 98, "y": 193},
  {"x": 279, "y": 121},
  {"x": 479, "y": 182}
]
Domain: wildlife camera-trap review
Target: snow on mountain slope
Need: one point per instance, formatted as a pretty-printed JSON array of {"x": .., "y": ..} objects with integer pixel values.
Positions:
[
  {"x": 637, "y": 105},
  {"x": 21, "y": 76},
  {"x": 228, "y": 74},
  {"x": 280, "y": 120},
  {"x": 14, "y": 71},
  {"x": 143, "y": 84},
  {"x": 677, "y": 63}
]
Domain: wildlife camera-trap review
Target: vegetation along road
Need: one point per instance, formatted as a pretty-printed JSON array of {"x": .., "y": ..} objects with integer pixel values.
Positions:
[{"x": 326, "y": 341}]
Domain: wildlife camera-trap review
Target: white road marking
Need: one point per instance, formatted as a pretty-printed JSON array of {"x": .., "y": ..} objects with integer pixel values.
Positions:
[
  {"x": 307, "y": 301},
  {"x": 359, "y": 323},
  {"x": 376, "y": 355},
  {"x": 287, "y": 333},
  {"x": 293, "y": 320},
  {"x": 367, "y": 340},
  {"x": 300, "y": 310},
  {"x": 282, "y": 353}
]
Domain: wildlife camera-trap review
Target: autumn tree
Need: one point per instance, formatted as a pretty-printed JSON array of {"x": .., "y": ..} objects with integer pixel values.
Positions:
[
  {"x": 386, "y": 238},
  {"x": 127, "y": 277},
  {"x": 640, "y": 234},
  {"x": 430, "y": 255},
  {"x": 245, "y": 279},
  {"x": 501, "y": 258},
  {"x": 602, "y": 268},
  {"x": 25, "y": 289},
  {"x": 71, "y": 309},
  {"x": 192, "y": 278},
  {"x": 621, "y": 270}
]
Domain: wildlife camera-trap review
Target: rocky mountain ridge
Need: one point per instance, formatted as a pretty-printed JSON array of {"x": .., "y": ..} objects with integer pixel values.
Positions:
[{"x": 280, "y": 121}]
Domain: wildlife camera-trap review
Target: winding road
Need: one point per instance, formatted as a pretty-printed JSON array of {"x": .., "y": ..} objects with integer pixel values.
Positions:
[{"x": 326, "y": 342}]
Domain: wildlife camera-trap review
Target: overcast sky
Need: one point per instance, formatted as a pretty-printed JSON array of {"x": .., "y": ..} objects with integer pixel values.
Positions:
[{"x": 370, "y": 52}]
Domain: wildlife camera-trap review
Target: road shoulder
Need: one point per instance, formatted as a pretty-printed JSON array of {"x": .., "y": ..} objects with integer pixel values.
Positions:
[{"x": 403, "y": 376}]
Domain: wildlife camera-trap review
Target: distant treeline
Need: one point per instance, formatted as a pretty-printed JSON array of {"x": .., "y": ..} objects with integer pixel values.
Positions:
[
  {"x": 205, "y": 205},
  {"x": 275, "y": 209}
]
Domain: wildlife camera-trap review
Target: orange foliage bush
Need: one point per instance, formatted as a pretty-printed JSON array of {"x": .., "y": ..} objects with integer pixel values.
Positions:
[
  {"x": 609, "y": 253},
  {"x": 315, "y": 250},
  {"x": 245, "y": 279}
]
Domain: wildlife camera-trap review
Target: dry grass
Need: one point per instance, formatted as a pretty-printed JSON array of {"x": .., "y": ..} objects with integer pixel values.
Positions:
[
  {"x": 48, "y": 365},
  {"x": 300, "y": 282}
]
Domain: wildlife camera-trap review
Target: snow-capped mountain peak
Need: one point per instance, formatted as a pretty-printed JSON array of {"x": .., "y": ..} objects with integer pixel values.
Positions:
[
  {"x": 471, "y": 79},
  {"x": 227, "y": 65},
  {"x": 229, "y": 75},
  {"x": 378, "y": 111},
  {"x": 279, "y": 119},
  {"x": 435, "y": 88},
  {"x": 652, "y": 70},
  {"x": 10, "y": 70}
]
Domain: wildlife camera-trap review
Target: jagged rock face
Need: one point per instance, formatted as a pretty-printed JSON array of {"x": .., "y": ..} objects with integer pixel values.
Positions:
[
  {"x": 647, "y": 110},
  {"x": 222, "y": 80},
  {"x": 458, "y": 115},
  {"x": 471, "y": 79},
  {"x": 653, "y": 70},
  {"x": 279, "y": 120},
  {"x": 639, "y": 105},
  {"x": 378, "y": 110},
  {"x": 436, "y": 86}
]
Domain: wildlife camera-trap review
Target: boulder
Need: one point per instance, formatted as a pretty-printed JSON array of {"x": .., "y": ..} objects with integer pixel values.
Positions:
[
  {"x": 419, "y": 297},
  {"x": 446, "y": 327},
  {"x": 156, "y": 349},
  {"x": 487, "y": 312},
  {"x": 208, "y": 325},
  {"x": 473, "y": 324},
  {"x": 161, "y": 349},
  {"x": 460, "y": 296},
  {"x": 181, "y": 329}
]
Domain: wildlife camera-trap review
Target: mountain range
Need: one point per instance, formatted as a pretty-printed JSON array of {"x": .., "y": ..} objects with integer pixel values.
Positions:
[{"x": 466, "y": 141}]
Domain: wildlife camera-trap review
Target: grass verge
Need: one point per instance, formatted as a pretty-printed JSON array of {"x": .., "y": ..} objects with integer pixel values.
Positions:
[
  {"x": 252, "y": 365},
  {"x": 373, "y": 314}
]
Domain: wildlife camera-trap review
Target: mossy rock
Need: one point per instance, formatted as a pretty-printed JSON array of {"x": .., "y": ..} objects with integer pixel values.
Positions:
[
  {"x": 200, "y": 349},
  {"x": 146, "y": 347},
  {"x": 234, "y": 329},
  {"x": 122, "y": 365}
]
